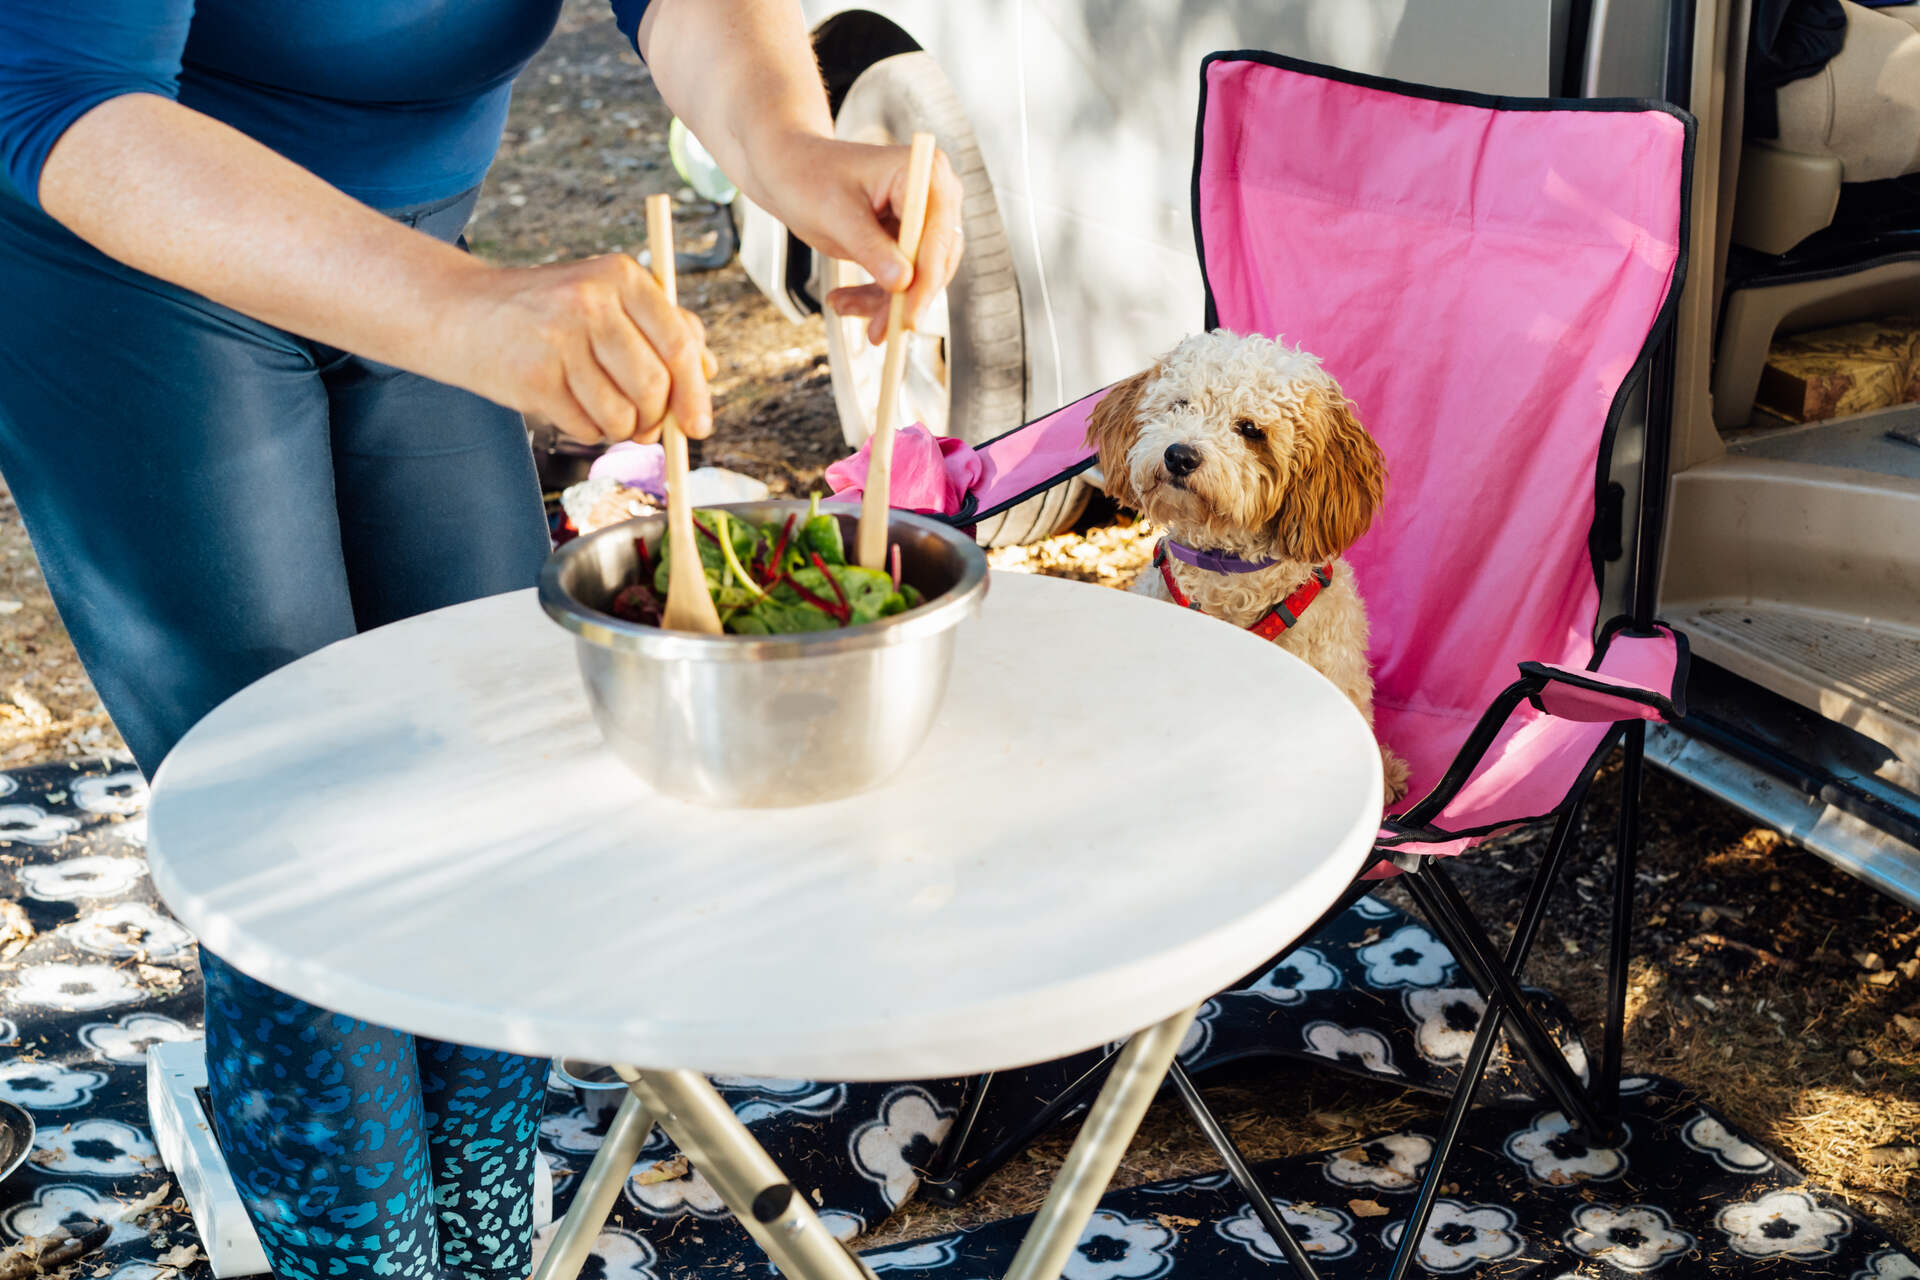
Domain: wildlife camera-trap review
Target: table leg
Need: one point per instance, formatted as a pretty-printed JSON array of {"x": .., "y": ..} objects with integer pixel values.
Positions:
[
  {"x": 1104, "y": 1137},
  {"x": 598, "y": 1188},
  {"x": 714, "y": 1140}
]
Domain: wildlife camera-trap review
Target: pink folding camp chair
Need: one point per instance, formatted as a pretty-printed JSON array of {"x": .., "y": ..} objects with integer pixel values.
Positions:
[{"x": 1488, "y": 279}]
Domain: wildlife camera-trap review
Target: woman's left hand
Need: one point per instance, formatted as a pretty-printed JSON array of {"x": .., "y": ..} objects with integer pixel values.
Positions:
[{"x": 844, "y": 198}]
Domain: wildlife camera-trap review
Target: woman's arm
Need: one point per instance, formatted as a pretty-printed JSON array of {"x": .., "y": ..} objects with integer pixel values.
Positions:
[
  {"x": 741, "y": 73},
  {"x": 591, "y": 347}
]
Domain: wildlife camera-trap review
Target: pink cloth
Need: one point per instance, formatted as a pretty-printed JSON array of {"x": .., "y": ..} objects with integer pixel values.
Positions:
[
  {"x": 930, "y": 473},
  {"x": 997, "y": 473}
]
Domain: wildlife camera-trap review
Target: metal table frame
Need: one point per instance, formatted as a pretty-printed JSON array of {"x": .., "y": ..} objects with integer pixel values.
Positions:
[{"x": 782, "y": 1221}]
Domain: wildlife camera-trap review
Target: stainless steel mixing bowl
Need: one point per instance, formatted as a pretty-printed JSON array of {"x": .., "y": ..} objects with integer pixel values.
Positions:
[{"x": 765, "y": 721}]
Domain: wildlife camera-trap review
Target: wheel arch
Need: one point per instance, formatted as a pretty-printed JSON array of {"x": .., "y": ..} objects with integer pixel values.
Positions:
[{"x": 848, "y": 42}]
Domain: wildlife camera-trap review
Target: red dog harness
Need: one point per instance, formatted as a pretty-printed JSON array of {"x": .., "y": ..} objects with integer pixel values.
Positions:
[{"x": 1282, "y": 617}]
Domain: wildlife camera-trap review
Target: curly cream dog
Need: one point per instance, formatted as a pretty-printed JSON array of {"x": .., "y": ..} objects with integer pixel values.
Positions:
[{"x": 1249, "y": 455}]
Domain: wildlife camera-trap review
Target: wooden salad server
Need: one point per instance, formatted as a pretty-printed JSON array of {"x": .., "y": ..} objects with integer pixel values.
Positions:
[
  {"x": 689, "y": 603},
  {"x": 872, "y": 543}
]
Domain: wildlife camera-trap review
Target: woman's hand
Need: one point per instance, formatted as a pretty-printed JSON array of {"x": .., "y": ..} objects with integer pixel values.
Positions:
[
  {"x": 742, "y": 74},
  {"x": 843, "y": 199},
  {"x": 591, "y": 347}
]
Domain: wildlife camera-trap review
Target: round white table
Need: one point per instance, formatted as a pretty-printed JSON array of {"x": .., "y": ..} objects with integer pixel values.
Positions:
[{"x": 1121, "y": 808}]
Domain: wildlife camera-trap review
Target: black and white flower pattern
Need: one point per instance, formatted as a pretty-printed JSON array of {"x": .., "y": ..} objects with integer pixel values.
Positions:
[
  {"x": 892, "y": 1148},
  {"x": 1299, "y": 972},
  {"x": 1637, "y": 1238},
  {"x": 1889, "y": 1264},
  {"x": 1462, "y": 1236},
  {"x": 1117, "y": 1247},
  {"x": 1444, "y": 1021},
  {"x": 1322, "y": 1233},
  {"x": 30, "y": 824},
  {"x": 576, "y": 1132},
  {"x": 922, "y": 1255},
  {"x": 1372, "y": 908},
  {"x": 657, "y": 1195},
  {"x": 142, "y": 1271},
  {"x": 842, "y": 1225},
  {"x": 130, "y": 929},
  {"x": 1184, "y": 1186},
  {"x": 75, "y": 879},
  {"x": 119, "y": 795},
  {"x": 1356, "y": 1047},
  {"x": 1707, "y": 1135},
  {"x": 823, "y": 1100},
  {"x": 1788, "y": 1223},
  {"x": 1392, "y": 1163},
  {"x": 1552, "y": 1153},
  {"x": 1199, "y": 1035},
  {"x": 98, "y": 1148},
  {"x": 48, "y": 1086},
  {"x": 616, "y": 1255},
  {"x": 1407, "y": 957},
  {"x": 66, "y": 1204},
  {"x": 125, "y": 1040},
  {"x": 77, "y": 988}
]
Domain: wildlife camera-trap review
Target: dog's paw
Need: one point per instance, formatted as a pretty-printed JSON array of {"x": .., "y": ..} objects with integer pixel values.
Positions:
[{"x": 1396, "y": 771}]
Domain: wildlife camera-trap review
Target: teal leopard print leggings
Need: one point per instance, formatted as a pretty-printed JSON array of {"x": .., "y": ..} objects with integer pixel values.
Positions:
[{"x": 362, "y": 1151}]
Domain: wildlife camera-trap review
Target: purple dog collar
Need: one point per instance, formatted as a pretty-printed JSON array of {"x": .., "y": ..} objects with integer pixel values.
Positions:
[{"x": 1215, "y": 561}]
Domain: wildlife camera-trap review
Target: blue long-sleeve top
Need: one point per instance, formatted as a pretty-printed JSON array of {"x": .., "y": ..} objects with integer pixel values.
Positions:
[{"x": 396, "y": 102}]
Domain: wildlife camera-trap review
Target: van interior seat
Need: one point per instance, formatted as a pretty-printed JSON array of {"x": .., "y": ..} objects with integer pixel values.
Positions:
[
  {"x": 1826, "y": 218},
  {"x": 1863, "y": 107}
]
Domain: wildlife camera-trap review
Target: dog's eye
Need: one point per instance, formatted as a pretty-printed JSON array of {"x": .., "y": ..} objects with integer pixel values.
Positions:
[
  {"x": 1180, "y": 404},
  {"x": 1249, "y": 428}
]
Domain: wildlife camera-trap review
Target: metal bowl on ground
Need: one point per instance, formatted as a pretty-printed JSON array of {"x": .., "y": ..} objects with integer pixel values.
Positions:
[
  {"x": 16, "y": 1139},
  {"x": 599, "y": 1091},
  {"x": 765, "y": 721}
]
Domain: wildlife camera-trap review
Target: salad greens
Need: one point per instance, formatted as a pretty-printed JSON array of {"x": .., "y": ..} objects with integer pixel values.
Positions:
[{"x": 771, "y": 579}]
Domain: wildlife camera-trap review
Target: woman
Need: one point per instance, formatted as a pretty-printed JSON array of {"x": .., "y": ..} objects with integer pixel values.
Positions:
[{"x": 254, "y": 398}]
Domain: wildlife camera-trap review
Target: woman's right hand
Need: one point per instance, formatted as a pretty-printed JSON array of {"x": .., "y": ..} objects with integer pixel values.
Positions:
[{"x": 590, "y": 347}]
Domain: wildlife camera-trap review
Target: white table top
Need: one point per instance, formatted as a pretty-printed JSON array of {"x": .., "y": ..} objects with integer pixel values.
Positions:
[{"x": 1122, "y": 808}]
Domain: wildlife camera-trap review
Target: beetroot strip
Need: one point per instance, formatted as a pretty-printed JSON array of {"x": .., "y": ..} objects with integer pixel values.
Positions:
[
  {"x": 825, "y": 606},
  {"x": 846, "y": 605}
]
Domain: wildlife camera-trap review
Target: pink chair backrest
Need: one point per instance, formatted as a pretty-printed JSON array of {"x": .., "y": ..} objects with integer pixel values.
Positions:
[{"x": 1481, "y": 277}]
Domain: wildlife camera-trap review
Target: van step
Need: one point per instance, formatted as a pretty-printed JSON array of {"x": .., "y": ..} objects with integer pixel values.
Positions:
[
  {"x": 1883, "y": 861},
  {"x": 1864, "y": 676}
]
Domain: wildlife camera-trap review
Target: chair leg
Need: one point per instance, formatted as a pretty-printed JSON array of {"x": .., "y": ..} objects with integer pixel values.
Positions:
[
  {"x": 965, "y": 1179},
  {"x": 1487, "y": 1035},
  {"x": 1243, "y": 1176},
  {"x": 1475, "y": 1067},
  {"x": 1449, "y": 914},
  {"x": 947, "y": 1159},
  {"x": 1620, "y": 943}
]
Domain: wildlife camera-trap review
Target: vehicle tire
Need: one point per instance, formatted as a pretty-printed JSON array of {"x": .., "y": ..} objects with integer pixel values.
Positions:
[{"x": 967, "y": 370}]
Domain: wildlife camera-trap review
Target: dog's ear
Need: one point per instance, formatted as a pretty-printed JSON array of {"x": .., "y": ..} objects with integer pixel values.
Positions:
[
  {"x": 1113, "y": 427},
  {"x": 1339, "y": 478}
]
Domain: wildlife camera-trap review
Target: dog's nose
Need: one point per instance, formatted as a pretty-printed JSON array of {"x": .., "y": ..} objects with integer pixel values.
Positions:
[{"x": 1182, "y": 460}]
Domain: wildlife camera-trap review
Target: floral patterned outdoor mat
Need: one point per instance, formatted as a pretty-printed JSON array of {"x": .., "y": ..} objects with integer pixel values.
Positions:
[
  {"x": 93, "y": 971},
  {"x": 1684, "y": 1195}
]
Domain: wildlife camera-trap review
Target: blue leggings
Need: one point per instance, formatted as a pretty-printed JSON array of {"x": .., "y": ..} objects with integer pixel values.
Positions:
[
  {"x": 365, "y": 1152},
  {"x": 211, "y": 498}
]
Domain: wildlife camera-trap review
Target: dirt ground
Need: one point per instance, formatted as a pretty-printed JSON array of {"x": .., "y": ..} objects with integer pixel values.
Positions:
[{"x": 1787, "y": 992}]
